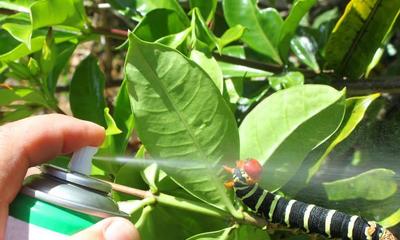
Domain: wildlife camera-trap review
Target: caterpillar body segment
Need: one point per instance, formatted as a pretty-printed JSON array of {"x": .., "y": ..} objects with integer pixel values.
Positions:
[{"x": 295, "y": 214}]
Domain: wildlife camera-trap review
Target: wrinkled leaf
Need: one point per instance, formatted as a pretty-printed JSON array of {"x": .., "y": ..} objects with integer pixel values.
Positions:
[
  {"x": 181, "y": 115},
  {"x": 375, "y": 184},
  {"x": 283, "y": 128},
  {"x": 358, "y": 34},
  {"x": 262, "y": 26},
  {"x": 210, "y": 66},
  {"x": 175, "y": 40},
  {"x": 86, "y": 92}
]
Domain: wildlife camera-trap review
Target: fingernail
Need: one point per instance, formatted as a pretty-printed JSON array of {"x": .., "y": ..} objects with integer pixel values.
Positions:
[{"x": 119, "y": 229}]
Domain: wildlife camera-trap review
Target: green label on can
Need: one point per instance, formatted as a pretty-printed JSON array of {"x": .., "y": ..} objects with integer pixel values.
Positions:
[{"x": 49, "y": 216}]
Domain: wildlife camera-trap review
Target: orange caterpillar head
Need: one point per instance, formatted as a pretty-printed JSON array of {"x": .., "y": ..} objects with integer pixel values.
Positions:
[{"x": 248, "y": 172}]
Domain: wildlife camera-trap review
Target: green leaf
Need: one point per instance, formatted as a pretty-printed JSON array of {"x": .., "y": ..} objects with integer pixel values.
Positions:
[
  {"x": 202, "y": 35},
  {"x": 207, "y": 8},
  {"x": 232, "y": 34},
  {"x": 262, "y": 26},
  {"x": 112, "y": 128},
  {"x": 17, "y": 5},
  {"x": 58, "y": 12},
  {"x": 158, "y": 224},
  {"x": 233, "y": 233},
  {"x": 222, "y": 234},
  {"x": 63, "y": 52},
  {"x": 123, "y": 117},
  {"x": 210, "y": 66},
  {"x": 326, "y": 16},
  {"x": 159, "y": 23},
  {"x": 8, "y": 96},
  {"x": 175, "y": 40},
  {"x": 375, "y": 184},
  {"x": 356, "y": 108},
  {"x": 358, "y": 34},
  {"x": 286, "y": 80},
  {"x": 145, "y": 6},
  {"x": 181, "y": 115},
  {"x": 298, "y": 11},
  {"x": 86, "y": 92},
  {"x": 392, "y": 220},
  {"x": 282, "y": 129},
  {"x": 305, "y": 50},
  {"x": 19, "y": 26},
  {"x": 20, "y": 50}
]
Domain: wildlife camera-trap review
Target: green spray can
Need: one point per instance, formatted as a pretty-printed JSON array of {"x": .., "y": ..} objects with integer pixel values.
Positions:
[{"x": 59, "y": 203}]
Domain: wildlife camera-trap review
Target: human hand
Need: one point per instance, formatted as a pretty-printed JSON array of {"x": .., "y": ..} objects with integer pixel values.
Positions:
[{"x": 32, "y": 141}]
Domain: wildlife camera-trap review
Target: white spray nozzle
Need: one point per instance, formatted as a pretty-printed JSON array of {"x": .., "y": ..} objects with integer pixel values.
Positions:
[{"x": 81, "y": 160}]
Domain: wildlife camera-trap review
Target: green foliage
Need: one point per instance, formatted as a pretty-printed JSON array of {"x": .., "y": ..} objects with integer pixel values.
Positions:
[
  {"x": 194, "y": 71},
  {"x": 358, "y": 35},
  {"x": 375, "y": 184}
]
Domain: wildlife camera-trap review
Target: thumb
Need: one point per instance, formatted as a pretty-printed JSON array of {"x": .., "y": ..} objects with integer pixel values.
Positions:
[{"x": 113, "y": 228}]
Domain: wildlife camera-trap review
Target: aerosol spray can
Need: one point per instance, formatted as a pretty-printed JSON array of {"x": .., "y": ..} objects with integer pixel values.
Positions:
[{"x": 59, "y": 203}]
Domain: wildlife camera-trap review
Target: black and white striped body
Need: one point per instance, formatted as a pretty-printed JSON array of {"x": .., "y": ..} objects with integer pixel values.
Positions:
[{"x": 295, "y": 214}]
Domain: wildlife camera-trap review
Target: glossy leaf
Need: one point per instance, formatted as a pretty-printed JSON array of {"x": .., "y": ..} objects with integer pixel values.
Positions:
[
  {"x": 207, "y": 8},
  {"x": 17, "y": 5},
  {"x": 159, "y": 23},
  {"x": 286, "y": 80},
  {"x": 358, "y": 34},
  {"x": 297, "y": 12},
  {"x": 283, "y": 128},
  {"x": 375, "y": 184},
  {"x": 47, "y": 13},
  {"x": 262, "y": 26},
  {"x": 210, "y": 66},
  {"x": 145, "y": 6},
  {"x": 19, "y": 26},
  {"x": 175, "y": 40},
  {"x": 124, "y": 119},
  {"x": 86, "y": 92},
  {"x": 175, "y": 102},
  {"x": 305, "y": 50}
]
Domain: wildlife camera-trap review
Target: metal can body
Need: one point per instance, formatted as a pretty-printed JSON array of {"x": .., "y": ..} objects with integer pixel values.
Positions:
[{"x": 57, "y": 204}]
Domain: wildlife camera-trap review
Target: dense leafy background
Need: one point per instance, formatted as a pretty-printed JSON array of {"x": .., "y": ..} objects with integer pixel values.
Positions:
[{"x": 309, "y": 88}]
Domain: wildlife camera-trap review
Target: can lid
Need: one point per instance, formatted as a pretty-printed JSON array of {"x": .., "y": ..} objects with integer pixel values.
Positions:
[
  {"x": 73, "y": 191},
  {"x": 76, "y": 178}
]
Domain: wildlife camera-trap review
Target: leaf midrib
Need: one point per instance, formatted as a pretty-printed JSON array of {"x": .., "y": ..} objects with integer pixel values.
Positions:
[
  {"x": 275, "y": 53},
  {"x": 169, "y": 99},
  {"x": 359, "y": 35}
]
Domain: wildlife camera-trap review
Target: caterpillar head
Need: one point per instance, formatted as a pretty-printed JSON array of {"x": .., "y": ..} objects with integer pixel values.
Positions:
[{"x": 247, "y": 172}]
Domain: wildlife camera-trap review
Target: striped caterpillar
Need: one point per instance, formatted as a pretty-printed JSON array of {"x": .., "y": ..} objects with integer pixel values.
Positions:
[{"x": 295, "y": 214}]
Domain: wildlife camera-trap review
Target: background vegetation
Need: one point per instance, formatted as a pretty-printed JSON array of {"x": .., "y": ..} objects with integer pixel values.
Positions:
[{"x": 309, "y": 88}]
